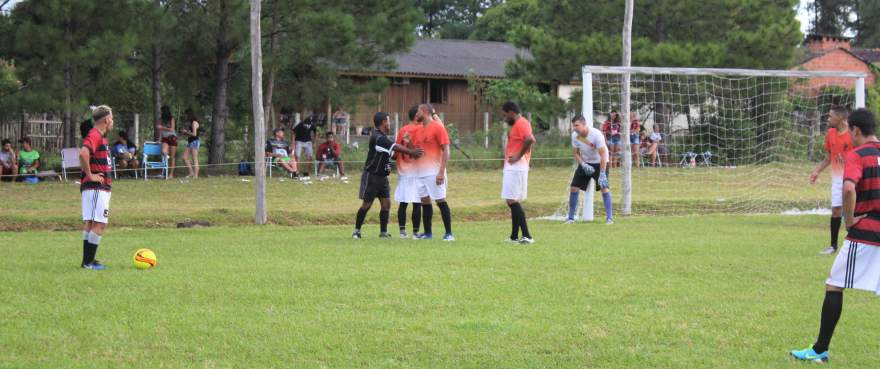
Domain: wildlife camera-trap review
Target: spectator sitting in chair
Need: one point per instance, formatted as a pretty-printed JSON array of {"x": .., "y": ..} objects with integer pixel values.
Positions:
[
  {"x": 125, "y": 153},
  {"x": 28, "y": 159},
  {"x": 8, "y": 162},
  {"x": 279, "y": 150},
  {"x": 330, "y": 154}
]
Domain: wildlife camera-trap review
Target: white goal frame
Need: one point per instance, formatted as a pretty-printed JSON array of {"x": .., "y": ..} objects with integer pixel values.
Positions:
[{"x": 587, "y": 107}]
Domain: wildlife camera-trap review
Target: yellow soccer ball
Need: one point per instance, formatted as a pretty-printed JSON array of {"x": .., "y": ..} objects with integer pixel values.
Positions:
[{"x": 144, "y": 259}]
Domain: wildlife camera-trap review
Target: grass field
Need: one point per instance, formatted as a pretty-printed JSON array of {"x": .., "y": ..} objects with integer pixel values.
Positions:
[{"x": 708, "y": 291}]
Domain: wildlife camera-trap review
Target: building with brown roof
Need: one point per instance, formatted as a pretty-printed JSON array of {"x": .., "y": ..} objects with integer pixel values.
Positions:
[
  {"x": 834, "y": 53},
  {"x": 437, "y": 71}
]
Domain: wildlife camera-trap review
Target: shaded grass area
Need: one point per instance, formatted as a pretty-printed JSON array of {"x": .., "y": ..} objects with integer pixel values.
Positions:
[{"x": 658, "y": 292}]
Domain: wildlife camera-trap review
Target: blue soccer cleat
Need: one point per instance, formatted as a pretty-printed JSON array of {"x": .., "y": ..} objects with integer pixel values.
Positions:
[
  {"x": 424, "y": 236},
  {"x": 449, "y": 237},
  {"x": 808, "y": 354},
  {"x": 95, "y": 265}
]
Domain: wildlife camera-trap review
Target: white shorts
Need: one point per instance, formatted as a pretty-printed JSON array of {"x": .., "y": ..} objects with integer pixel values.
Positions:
[
  {"x": 95, "y": 206},
  {"x": 515, "y": 185},
  {"x": 301, "y": 147},
  {"x": 836, "y": 192},
  {"x": 407, "y": 189},
  {"x": 857, "y": 266},
  {"x": 427, "y": 187}
]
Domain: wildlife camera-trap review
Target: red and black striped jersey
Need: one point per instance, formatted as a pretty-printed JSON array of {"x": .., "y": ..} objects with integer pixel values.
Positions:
[
  {"x": 99, "y": 160},
  {"x": 863, "y": 169}
]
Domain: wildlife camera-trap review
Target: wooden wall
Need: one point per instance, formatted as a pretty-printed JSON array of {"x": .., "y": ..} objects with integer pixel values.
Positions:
[{"x": 459, "y": 107}]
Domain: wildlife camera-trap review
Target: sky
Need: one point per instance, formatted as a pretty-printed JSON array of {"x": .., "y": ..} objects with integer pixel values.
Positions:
[{"x": 802, "y": 16}]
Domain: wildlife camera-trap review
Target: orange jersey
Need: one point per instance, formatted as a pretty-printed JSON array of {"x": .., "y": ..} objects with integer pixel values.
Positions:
[
  {"x": 837, "y": 145},
  {"x": 406, "y": 164},
  {"x": 431, "y": 139},
  {"x": 519, "y": 132}
]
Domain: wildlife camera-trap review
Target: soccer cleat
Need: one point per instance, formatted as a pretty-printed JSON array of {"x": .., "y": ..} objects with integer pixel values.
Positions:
[
  {"x": 808, "y": 354},
  {"x": 403, "y": 235},
  {"x": 384, "y": 235},
  {"x": 526, "y": 241},
  {"x": 828, "y": 251},
  {"x": 609, "y": 221},
  {"x": 449, "y": 237},
  {"x": 356, "y": 235},
  {"x": 416, "y": 235},
  {"x": 424, "y": 236},
  {"x": 343, "y": 178},
  {"x": 305, "y": 179},
  {"x": 569, "y": 221},
  {"x": 94, "y": 265}
]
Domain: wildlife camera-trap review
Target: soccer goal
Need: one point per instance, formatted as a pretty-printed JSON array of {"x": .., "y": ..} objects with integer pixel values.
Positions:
[{"x": 716, "y": 140}]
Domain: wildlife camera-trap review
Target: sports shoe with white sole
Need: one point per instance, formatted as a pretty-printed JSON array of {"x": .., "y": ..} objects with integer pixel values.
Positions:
[
  {"x": 808, "y": 354},
  {"x": 569, "y": 221},
  {"x": 526, "y": 241},
  {"x": 830, "y": 250}
]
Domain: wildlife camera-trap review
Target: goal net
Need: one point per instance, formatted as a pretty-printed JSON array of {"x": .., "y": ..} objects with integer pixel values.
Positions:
[{"x": 717, "y": 140}]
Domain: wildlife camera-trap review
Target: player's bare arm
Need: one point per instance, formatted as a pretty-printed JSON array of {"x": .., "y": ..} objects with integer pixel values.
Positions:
[
  {"x": 527, "y": 145},
  {"x": 444, "y": 158},
  {"x": 84, "y": 159},
  {"x": 603, "y": 158},
  {"x": 815, "y": 175},
  {"x": 414, "y": 152},
  {"x": 849, "y": 204}
]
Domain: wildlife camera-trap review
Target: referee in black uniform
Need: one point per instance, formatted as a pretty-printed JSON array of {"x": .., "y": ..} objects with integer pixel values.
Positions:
[{"x": 374, "y": 180}]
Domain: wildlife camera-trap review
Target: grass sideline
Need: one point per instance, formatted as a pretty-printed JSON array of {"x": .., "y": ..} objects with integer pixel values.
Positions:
[
  {"x": 473, "y": 195},
  {"x": 648, "y": 292}
]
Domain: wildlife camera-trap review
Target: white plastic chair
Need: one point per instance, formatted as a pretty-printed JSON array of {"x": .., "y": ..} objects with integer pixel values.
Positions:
[{"x": 69, "y": 160}]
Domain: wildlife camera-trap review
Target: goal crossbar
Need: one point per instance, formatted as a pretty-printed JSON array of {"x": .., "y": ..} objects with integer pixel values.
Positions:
[{"x": 598, "y": 69}]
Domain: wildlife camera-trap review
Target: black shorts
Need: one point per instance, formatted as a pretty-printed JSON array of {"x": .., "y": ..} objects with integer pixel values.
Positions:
[
  {"x": 373, "y": 186},
  {"x": 582, "y": 180}
]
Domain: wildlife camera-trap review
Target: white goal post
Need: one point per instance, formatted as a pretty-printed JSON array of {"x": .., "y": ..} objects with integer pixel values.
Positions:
[{"x": 602, "y": 83}]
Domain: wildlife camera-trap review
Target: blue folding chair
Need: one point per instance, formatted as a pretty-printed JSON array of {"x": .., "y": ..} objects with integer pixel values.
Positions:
[{"x": 154, "y": 149}]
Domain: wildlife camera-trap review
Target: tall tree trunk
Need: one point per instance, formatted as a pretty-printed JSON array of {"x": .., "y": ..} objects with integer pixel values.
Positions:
[
  {"x": 157, "y": 88},
  {"x": 270, "y": 84},
  {"x": 68, "y": 125},
  {"x": 217, "y": 149},
  {"x": 156, "y": 75}
]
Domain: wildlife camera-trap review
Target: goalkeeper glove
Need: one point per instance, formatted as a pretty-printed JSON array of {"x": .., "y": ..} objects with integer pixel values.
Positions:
[
  {"x": 603, "y": 180},
  {"x": 588, "y": 169}
]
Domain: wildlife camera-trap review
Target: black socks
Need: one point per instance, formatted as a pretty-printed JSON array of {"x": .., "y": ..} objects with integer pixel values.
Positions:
[
  {"x": 446, "y": 214},
  {"x": 401, "y": 216},
  {"x": 831, "y": 310},
  {"x": 835, "y": 229},
  {"x": 416, "y": 217},
  {"x": 427, "y": 214},
  {"x": 383, "y": 221},
  {"x": 518, "y": 218},
  {"x": 361, "y": 215}
]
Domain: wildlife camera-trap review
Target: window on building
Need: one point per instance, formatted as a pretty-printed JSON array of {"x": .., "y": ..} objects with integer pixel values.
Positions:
[{"x": 438, "y": 91}]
